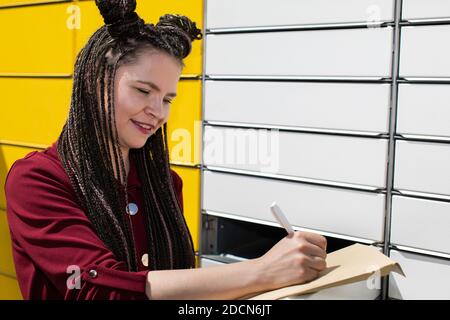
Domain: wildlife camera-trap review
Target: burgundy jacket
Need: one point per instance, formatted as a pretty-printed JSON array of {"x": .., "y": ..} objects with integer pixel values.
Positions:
[{"x": 51, "y": 234}]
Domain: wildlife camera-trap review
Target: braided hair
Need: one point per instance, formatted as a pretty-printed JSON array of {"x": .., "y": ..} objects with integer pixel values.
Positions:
[{"x": 88, "y": 144}]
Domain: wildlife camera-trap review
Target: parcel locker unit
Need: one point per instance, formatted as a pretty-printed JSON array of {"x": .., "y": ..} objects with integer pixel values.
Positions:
[
  {"x": 361, "y": 115},
  {"x": 329, "y": 120}
]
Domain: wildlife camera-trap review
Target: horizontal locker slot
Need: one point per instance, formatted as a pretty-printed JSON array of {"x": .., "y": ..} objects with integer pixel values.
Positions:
[
  {"x": 351, "y": 160},
  {"x": 8, "y": 155},
  {"x": 6, "y": 258},
  {"x": 424, "y": 109},
  {"x": 34, "y": 110},
  {"x": 421, "y": 224},
  {"x": 256, "y": 13},
  {"x": 423, "y": 52},
  {"x": 419, "y": 9},
  {"x": 353, "y": 213},
  {"x": 41, "y": 41},
  {"x": 422, "y": 167},
  {"x": 355, "y": 52},
  {"x": 231, "y": 239},
  {"x": 339, "y": 106},
  {"x": 426, "y": 277}
]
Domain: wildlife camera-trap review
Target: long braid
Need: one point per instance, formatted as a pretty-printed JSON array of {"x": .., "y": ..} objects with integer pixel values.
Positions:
[{"x": 88, "y": 145}]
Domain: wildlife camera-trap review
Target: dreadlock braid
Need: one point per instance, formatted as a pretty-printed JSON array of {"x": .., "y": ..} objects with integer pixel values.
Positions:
[{"x": 88, "y": 144}]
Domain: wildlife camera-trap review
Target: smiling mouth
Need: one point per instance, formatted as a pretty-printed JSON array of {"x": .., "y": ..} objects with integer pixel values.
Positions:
[{"x": 143, "y": 127}]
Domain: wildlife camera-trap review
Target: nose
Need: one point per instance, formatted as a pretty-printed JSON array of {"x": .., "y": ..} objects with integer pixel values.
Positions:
[{"x": 154, "y": 108}]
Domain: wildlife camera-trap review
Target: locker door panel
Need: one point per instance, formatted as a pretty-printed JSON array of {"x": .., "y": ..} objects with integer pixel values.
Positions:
[
  {"x": 332, "y": 158},
  {"x": 424, "y": 109},
  {"x": 423, "y": 53},
  {"x": 358, "y": 52},
  {"x": 352, "y": 213},
  {"x": 339, "y": 106},
  {"x": 422, "y": 167},
  {"x": 421, "y": 224},
  {"x": 426, "y": 277},
  {"x": 34, "y": 110},
  {"x": 42, "y": 41},
  {"x": 256, "y": 13}
]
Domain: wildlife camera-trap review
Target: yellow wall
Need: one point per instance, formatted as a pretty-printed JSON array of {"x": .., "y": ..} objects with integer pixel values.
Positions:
[{"x": 36, "y": 70}]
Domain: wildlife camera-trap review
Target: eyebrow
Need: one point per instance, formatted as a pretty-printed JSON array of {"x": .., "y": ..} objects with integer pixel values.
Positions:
[{"x": 155, "y": 87}]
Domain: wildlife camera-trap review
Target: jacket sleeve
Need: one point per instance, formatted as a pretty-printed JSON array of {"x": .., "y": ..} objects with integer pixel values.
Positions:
[{"x": 52, "y": 229}]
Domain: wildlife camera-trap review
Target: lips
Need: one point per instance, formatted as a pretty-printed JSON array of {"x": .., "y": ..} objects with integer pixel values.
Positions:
[{"x": 142, "y": 126}]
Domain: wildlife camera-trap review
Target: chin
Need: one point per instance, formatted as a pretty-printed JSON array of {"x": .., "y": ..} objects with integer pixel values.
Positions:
[{"x": 136, "y": 144}]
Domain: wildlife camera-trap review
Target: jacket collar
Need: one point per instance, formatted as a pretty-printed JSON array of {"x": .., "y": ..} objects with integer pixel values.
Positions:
[{"x": 133, "y": 176}]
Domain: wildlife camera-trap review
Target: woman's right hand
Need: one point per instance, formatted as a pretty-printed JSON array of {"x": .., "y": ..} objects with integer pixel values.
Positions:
[{"x": 295, "y": 259}]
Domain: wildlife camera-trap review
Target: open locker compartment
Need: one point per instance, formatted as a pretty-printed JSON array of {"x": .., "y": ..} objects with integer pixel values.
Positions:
[{"x": 231, "y": 240}]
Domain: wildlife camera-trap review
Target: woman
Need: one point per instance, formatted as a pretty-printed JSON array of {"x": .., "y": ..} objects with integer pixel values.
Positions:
[{"x": 98, "y": 215}]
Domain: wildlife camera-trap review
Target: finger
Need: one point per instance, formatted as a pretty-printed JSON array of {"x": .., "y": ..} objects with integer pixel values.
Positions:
[
  {"x": 316, "y": 239},
  {"x": 317, "y": 263},
  {"x": 313, "y": 250},
  {"x": 310, "y": 274}
]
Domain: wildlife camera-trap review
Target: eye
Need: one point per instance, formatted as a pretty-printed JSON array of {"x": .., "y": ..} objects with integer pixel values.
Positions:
[
  {"x": 169, "y": 101},
  {"x": 143, "y": 91}
]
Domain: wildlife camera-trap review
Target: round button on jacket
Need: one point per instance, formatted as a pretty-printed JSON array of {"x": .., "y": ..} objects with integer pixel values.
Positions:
[
  {"x": 93, "y": 273},
  {"x": 132, "y": 209}
]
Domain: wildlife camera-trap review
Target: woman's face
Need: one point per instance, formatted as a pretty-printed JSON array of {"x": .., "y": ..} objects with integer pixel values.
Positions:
[{"x": 143, "y": 92}]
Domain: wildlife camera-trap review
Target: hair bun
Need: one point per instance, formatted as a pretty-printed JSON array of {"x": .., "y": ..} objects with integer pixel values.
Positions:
[
  {"x": 120, "y": 17},
  {"x": 113, "y": 11},
  {"x": 181, "y": 22}
]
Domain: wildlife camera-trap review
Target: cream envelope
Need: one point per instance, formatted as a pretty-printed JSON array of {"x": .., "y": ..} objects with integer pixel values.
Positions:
[{"x": 351, "y": 264}]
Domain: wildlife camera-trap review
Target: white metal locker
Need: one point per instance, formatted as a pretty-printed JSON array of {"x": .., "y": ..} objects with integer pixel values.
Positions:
[
  {"x": 429, "y": 9},
  {"x": 334, "y": 106},
  {"x": 353, "y": 160},
  {"x": 424, "y": 51},
  {"x": 423, "y": 167},
  {"x": 264, "y": 13},
  {"x": 353, "y": 52},
  {"x": 424, "y": 109},
  {"x": 353, "y": 213},
  {"x": 426, "y": 277},
  {"x": 422, "y": 224}
]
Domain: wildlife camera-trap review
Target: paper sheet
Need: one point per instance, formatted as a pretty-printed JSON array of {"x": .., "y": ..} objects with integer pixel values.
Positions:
[{"x": 351, "y": 264}]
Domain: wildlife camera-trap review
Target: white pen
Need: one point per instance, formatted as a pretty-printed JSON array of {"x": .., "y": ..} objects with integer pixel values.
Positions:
[{"x": 281, "y": 218}]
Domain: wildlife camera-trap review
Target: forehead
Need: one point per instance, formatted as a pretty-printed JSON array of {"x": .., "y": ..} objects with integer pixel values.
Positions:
[{"x": 152, "y": 66}]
